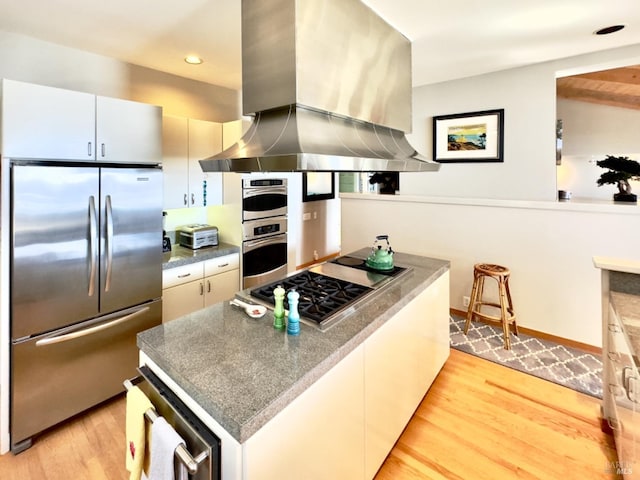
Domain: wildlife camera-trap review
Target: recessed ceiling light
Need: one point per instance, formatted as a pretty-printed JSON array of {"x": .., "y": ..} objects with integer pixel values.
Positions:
[
  {"x": 608, "y": 30},
  {"x": 193, "y": 60}
]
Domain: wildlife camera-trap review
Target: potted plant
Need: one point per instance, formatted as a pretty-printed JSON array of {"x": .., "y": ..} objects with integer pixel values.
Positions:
[
  {"x": 388, "y": 182},
  {"x": 619, "y": 171}
]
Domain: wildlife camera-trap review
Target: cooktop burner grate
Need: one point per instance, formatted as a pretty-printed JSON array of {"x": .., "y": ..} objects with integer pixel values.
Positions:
[{"x": 320, "y": 296}]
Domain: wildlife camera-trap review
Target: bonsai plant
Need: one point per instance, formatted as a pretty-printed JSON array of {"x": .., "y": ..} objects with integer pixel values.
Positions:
[{"x": 620, "y": 171}]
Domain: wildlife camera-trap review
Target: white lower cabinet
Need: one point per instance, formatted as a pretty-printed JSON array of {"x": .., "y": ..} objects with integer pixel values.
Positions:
[
  {"x": 401, "y": 360},
  {"x": 621, "y": 394},
  {"x": 182, "y": 291},
  {"x": 180, "y": 300},
  {"x": 189, "y": 288},
  {"x": 221, "y": 287},
  {"x": 320, "y": 435}
]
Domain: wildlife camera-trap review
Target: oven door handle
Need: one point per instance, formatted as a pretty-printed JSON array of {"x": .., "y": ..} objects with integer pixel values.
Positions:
[
  {"x": 249, "y": 245},
  {"x": 254, "y": 192}
]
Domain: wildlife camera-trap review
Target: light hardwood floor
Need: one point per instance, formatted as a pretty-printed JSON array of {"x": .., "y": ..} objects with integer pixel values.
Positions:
[{"x": 479, "y": 420}]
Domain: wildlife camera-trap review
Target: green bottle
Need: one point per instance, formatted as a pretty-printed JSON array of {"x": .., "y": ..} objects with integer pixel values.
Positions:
[{"x": 278, "y": 311}]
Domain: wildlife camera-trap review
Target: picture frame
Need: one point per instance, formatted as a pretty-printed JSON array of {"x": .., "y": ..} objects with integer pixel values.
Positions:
[{"x": 472, "y": 137}]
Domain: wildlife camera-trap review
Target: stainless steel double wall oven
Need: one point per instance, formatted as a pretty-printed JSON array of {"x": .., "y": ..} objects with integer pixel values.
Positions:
[{"x": 264, "y": 230}]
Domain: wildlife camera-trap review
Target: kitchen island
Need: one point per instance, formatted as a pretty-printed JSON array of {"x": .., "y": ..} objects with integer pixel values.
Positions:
[{"x": 320, "y": 405}]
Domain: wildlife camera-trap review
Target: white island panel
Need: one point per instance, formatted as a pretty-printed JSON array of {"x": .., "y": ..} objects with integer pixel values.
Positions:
[
  {"x": 402, "y": 358},
  {"x": 320, "y": 435}
]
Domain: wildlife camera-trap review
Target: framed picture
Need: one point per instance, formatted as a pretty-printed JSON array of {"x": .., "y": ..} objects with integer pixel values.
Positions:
[{"x": 469, "y": 137}]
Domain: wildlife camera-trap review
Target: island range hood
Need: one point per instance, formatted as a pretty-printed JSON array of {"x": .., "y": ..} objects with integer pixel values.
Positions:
[{"x": 328, "y": 83}]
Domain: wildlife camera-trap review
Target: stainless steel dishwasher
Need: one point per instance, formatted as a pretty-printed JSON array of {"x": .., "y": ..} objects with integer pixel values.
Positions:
[{"x": 201, "y": 454}]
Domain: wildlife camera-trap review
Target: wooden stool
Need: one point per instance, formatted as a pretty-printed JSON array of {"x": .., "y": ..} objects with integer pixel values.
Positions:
[{"x": 507, "y": 316}]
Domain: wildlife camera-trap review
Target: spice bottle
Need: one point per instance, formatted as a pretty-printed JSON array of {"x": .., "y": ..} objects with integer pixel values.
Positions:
[
  {"x": 278, "y": 311},
  {"x": 293, "y": 322}
]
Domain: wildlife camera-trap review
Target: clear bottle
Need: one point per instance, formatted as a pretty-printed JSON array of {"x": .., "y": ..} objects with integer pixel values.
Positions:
[{"x": 278, "y": 311}]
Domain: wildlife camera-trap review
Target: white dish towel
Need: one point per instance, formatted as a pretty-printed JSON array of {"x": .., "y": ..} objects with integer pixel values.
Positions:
[{"x": 164, "y": 441}]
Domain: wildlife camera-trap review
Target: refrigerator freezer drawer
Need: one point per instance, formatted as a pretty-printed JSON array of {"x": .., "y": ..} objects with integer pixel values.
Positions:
[{"x": 60, "y": 374}]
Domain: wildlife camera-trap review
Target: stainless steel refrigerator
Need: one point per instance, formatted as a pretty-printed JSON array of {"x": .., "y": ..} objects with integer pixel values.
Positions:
[{"x": 86, "y": 276}]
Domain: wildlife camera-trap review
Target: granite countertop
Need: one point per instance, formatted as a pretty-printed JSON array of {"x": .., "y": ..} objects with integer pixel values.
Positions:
[
  {"x": 627, "y": 307},
  {"x": 242, "y": 372},
  {"x": 183, "y": 256},
  {"x": 624, "y": 284}
]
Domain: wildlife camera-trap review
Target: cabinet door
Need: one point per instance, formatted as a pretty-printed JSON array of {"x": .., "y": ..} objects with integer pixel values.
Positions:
[
  {"x": 319, "y": 435},
  {"x": 401, "y": 360},
  {"x": 47, "y": 123},
  {"x": 221, "y": 287},
  {"x": 431, "y": 321},
  {"x": 182, "y": 299},
  {"x": 205, "y": 140},
  {"x": 175, "y": 161},
  {"x": 128, "y": 131}
]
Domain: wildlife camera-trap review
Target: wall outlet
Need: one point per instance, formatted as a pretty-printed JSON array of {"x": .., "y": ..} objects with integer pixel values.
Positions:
[{"x": 465, "y": 301}]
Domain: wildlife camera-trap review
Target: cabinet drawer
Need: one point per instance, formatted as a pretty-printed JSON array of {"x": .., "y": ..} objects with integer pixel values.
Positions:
[
  {"x": 623, "y": 385},
  {"x": 183, "y": 274},
  {"x": 221, "y": 264}
]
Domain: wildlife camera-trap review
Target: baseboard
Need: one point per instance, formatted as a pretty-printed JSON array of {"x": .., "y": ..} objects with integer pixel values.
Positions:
[
  {"x": 320, "y": 260},
  {"x": 545, "y": 336}
]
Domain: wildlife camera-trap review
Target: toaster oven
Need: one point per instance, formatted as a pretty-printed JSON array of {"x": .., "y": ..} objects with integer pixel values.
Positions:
[{"x": 197, "y": 235}]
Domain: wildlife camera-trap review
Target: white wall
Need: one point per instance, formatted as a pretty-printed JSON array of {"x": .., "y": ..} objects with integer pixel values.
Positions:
[
  {"x": 590, "y": 132},
  {"x": 547, "y": 246},
  {"x": 30, "y": 60},
  {"x": 319, "y": 230},
  {"x": 528, "y": 96},
  {"x": 524, "y": 174}
]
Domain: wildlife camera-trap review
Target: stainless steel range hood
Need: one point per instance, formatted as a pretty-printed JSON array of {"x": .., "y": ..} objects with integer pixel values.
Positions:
[{"x": 328, "y": 83}]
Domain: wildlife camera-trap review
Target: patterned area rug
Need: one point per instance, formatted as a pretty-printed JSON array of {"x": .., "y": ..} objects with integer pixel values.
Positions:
[{"x": 567, "y": 366}]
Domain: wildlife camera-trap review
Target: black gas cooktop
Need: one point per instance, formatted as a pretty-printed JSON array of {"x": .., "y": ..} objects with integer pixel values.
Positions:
[
  {"x": 327, "y": 292},
  {"x": 321, "y": 297}
]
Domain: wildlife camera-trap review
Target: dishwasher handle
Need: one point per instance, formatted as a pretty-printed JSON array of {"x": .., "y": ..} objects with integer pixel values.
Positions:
[{"x": 181, "y": 452}]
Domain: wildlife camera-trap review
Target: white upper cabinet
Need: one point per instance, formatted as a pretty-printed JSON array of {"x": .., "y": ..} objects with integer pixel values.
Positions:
[
  {"x": 128, "y": 131},
  {"x": 50, "y": 123},
  {"x": 184, "y": 142},
  {"x": 205, "y": 139},
  {"x": 47, "y": 123},
  {"x": 175, "y": 167}
]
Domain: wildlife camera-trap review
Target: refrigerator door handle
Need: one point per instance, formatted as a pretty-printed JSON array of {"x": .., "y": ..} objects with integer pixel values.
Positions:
[
  {"x": 90, "y": 330},
  {"x": 109, "y": 241},
  {"x": 93, "y": 229}
]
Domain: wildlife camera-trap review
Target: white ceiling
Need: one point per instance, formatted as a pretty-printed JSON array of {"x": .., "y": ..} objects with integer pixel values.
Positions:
[{"x": 450, "y": 39}]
